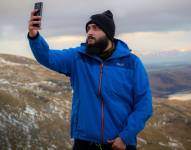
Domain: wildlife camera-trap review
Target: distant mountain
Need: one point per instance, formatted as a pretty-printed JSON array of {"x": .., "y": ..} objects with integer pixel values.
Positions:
[
  {"x": 35, "y": 105},
  {"x": 168, "y": 56},
  {"x": 168, "y": 79}
]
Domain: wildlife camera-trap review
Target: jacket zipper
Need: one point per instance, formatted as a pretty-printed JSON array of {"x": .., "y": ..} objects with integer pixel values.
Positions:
[
  {"x": 102, "y": 124},
  {"x": 102, "y": 104}
]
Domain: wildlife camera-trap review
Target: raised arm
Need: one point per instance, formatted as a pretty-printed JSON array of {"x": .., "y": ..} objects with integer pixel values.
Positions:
[{"x": 57, "y": 60}]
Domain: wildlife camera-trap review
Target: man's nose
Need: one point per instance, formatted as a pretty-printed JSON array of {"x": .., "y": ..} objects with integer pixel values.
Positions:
[{"x": 90, "y": 32}]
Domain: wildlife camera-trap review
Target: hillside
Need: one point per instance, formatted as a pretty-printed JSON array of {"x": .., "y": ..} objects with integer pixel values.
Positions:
[
  {"x": 35, "y": 106},
  {"x": 169, "y": 128}
]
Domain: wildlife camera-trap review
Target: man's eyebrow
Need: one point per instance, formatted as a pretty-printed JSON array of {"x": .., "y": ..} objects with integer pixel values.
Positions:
[{"x": 92, "y": 26}]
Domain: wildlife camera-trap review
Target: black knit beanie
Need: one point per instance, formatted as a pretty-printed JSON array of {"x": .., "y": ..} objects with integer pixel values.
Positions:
[{"x": 105, "y": 22}]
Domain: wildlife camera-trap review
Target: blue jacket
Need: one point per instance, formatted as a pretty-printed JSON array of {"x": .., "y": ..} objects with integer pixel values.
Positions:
[{"x": 111, "y": 98}]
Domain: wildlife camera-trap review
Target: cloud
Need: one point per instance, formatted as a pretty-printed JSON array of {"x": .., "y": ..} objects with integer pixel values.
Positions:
[
  {"x": 145, "y": 25},
  {"x": 63, "y": 42},
  {"x": 187, "y": 49},
  {"x": 147, "y": 42},
  {"x": 69, "y": 17}
]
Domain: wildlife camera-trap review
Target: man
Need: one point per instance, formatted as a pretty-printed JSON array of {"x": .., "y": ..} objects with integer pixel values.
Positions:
[{"x": 111, "y": 94}]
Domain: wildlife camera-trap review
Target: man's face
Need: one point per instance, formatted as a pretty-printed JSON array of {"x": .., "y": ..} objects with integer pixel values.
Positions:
[{"x": 96, "y": 40}]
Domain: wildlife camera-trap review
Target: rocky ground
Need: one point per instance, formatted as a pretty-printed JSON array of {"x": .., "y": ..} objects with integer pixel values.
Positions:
[{"x": 35, "y": 105}]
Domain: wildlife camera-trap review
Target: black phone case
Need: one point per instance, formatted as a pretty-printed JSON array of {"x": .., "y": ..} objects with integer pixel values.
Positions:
[{"x": 39, "y": 6}]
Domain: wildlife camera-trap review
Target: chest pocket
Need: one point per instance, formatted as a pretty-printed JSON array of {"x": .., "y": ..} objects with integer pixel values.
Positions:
[{"x": 118, "y": 80}]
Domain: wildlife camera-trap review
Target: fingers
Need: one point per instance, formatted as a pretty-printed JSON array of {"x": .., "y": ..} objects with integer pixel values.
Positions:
[
  {"x": 34, "y": 22},
  {"x": 112, "y": 144},
  {"x": 116, "y": 144},
  {"x": 114, "y": 147},
  {"x": 33, "y": 12},
  {"x": 31, "y": 23},
  {"x": 36, "y": 18}
]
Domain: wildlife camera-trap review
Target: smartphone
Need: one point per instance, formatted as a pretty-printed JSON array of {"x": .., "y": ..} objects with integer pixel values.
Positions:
[{"x": 39, "y": 6}]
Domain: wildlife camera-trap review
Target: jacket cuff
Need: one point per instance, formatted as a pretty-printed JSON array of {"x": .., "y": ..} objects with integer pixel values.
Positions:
[
  {"x": 33, "y": 38},
  {"x": 126, "y": 137}
]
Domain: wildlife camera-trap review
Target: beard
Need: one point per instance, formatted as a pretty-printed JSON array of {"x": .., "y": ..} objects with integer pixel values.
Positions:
[{"x": 98, "y": 46}]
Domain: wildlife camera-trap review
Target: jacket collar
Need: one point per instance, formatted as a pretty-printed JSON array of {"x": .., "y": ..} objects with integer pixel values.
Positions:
[{"x": 121, "y": 50}]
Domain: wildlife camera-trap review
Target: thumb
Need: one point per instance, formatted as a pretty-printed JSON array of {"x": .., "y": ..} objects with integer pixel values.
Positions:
[{"x": 110, "y": 141}]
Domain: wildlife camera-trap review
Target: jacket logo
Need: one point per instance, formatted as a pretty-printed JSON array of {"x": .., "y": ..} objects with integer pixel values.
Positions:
[{"x": 120, "y": 64}]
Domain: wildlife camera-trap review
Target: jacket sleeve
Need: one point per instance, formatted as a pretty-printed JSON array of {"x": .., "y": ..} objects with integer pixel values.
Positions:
[
  {"x": 57, "y": 60},
  {"x": 142, "y": 104}
]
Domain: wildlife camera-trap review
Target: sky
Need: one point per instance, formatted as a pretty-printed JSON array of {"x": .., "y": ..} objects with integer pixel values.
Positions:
[{"x": 148, "y": 27}]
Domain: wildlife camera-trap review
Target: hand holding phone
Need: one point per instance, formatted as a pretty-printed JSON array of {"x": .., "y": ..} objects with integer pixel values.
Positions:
[{"x": 35, "y": 19}]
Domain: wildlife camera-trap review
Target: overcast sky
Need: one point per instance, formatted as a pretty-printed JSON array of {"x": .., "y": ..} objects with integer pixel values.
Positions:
[{"x": 146, "y": 25}]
